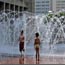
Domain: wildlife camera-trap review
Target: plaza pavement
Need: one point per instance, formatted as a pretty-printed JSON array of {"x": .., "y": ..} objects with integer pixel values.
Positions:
[{"x": 32, "y": 60}]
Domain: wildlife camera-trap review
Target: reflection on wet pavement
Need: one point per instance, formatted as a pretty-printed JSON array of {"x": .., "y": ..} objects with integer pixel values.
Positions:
[
  {"x": 32, "y": 60},
  {"x": 21, "y": 60}
]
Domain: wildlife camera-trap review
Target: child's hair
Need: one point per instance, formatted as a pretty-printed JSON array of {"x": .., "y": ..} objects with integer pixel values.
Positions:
[
  {"x": 22, "y": 32},
  {"x": 37, "y": 34}
]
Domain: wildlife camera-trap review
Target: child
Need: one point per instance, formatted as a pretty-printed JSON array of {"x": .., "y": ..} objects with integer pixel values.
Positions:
[
  {"x": 21, "y": 44},
  {"x": 37, "y": 45}
]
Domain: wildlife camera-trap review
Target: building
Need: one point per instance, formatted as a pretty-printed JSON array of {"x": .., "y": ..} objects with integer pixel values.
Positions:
[
  {"x": 30, "y": 5},
  {"x": 58, "y": 5},
  {"x": 12, "y": 5},
  {"x": 34, "y": 6},
  {"x": 42, "y": 6}
]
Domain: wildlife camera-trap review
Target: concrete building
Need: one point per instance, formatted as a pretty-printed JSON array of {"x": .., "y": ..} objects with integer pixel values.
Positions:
[
  {"x": 12, "y": 5},
  {"x": 58, "y": 5},
  {"x": 34, "y": 6},
  {"x": 42, "y": 6},
  {"x": 30, "y": 5}
]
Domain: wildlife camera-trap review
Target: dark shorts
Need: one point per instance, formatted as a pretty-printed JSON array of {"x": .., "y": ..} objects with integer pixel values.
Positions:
[{"x": 21, "y": 46}]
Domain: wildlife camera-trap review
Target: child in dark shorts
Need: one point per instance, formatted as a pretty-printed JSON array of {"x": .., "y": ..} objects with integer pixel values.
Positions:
[{"x": 21, "y": 43}]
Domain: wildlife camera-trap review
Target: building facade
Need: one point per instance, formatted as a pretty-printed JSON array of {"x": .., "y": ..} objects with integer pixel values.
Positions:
[
  {"x": 58, "y": 5},
  {"x": 30, "y": 5},
  {"x": 12, "y": 5},
  {"x": 34, "y": 6},
  {"x": 42, "y": 6}
]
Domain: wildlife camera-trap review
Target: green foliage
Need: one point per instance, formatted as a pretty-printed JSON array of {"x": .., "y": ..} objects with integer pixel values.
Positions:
[
  {"x": 50, "y": 15},
  {"x": 62, "y": 13}
]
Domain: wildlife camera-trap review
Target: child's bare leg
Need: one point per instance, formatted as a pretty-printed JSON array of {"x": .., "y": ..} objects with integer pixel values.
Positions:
[{"x": 38, "y": 54}]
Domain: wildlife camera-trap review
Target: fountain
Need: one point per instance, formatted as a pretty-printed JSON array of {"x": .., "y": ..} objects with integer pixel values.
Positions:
[{"x": 51, "y": 28}]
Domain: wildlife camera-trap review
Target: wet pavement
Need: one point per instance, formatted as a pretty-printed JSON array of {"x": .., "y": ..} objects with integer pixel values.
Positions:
[
  {"x": 32, "y": 60},
  {"x": 55, "y": 55}
]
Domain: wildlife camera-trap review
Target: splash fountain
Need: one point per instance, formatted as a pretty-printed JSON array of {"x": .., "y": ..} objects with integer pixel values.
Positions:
[{"x": 50, "y": 27}]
